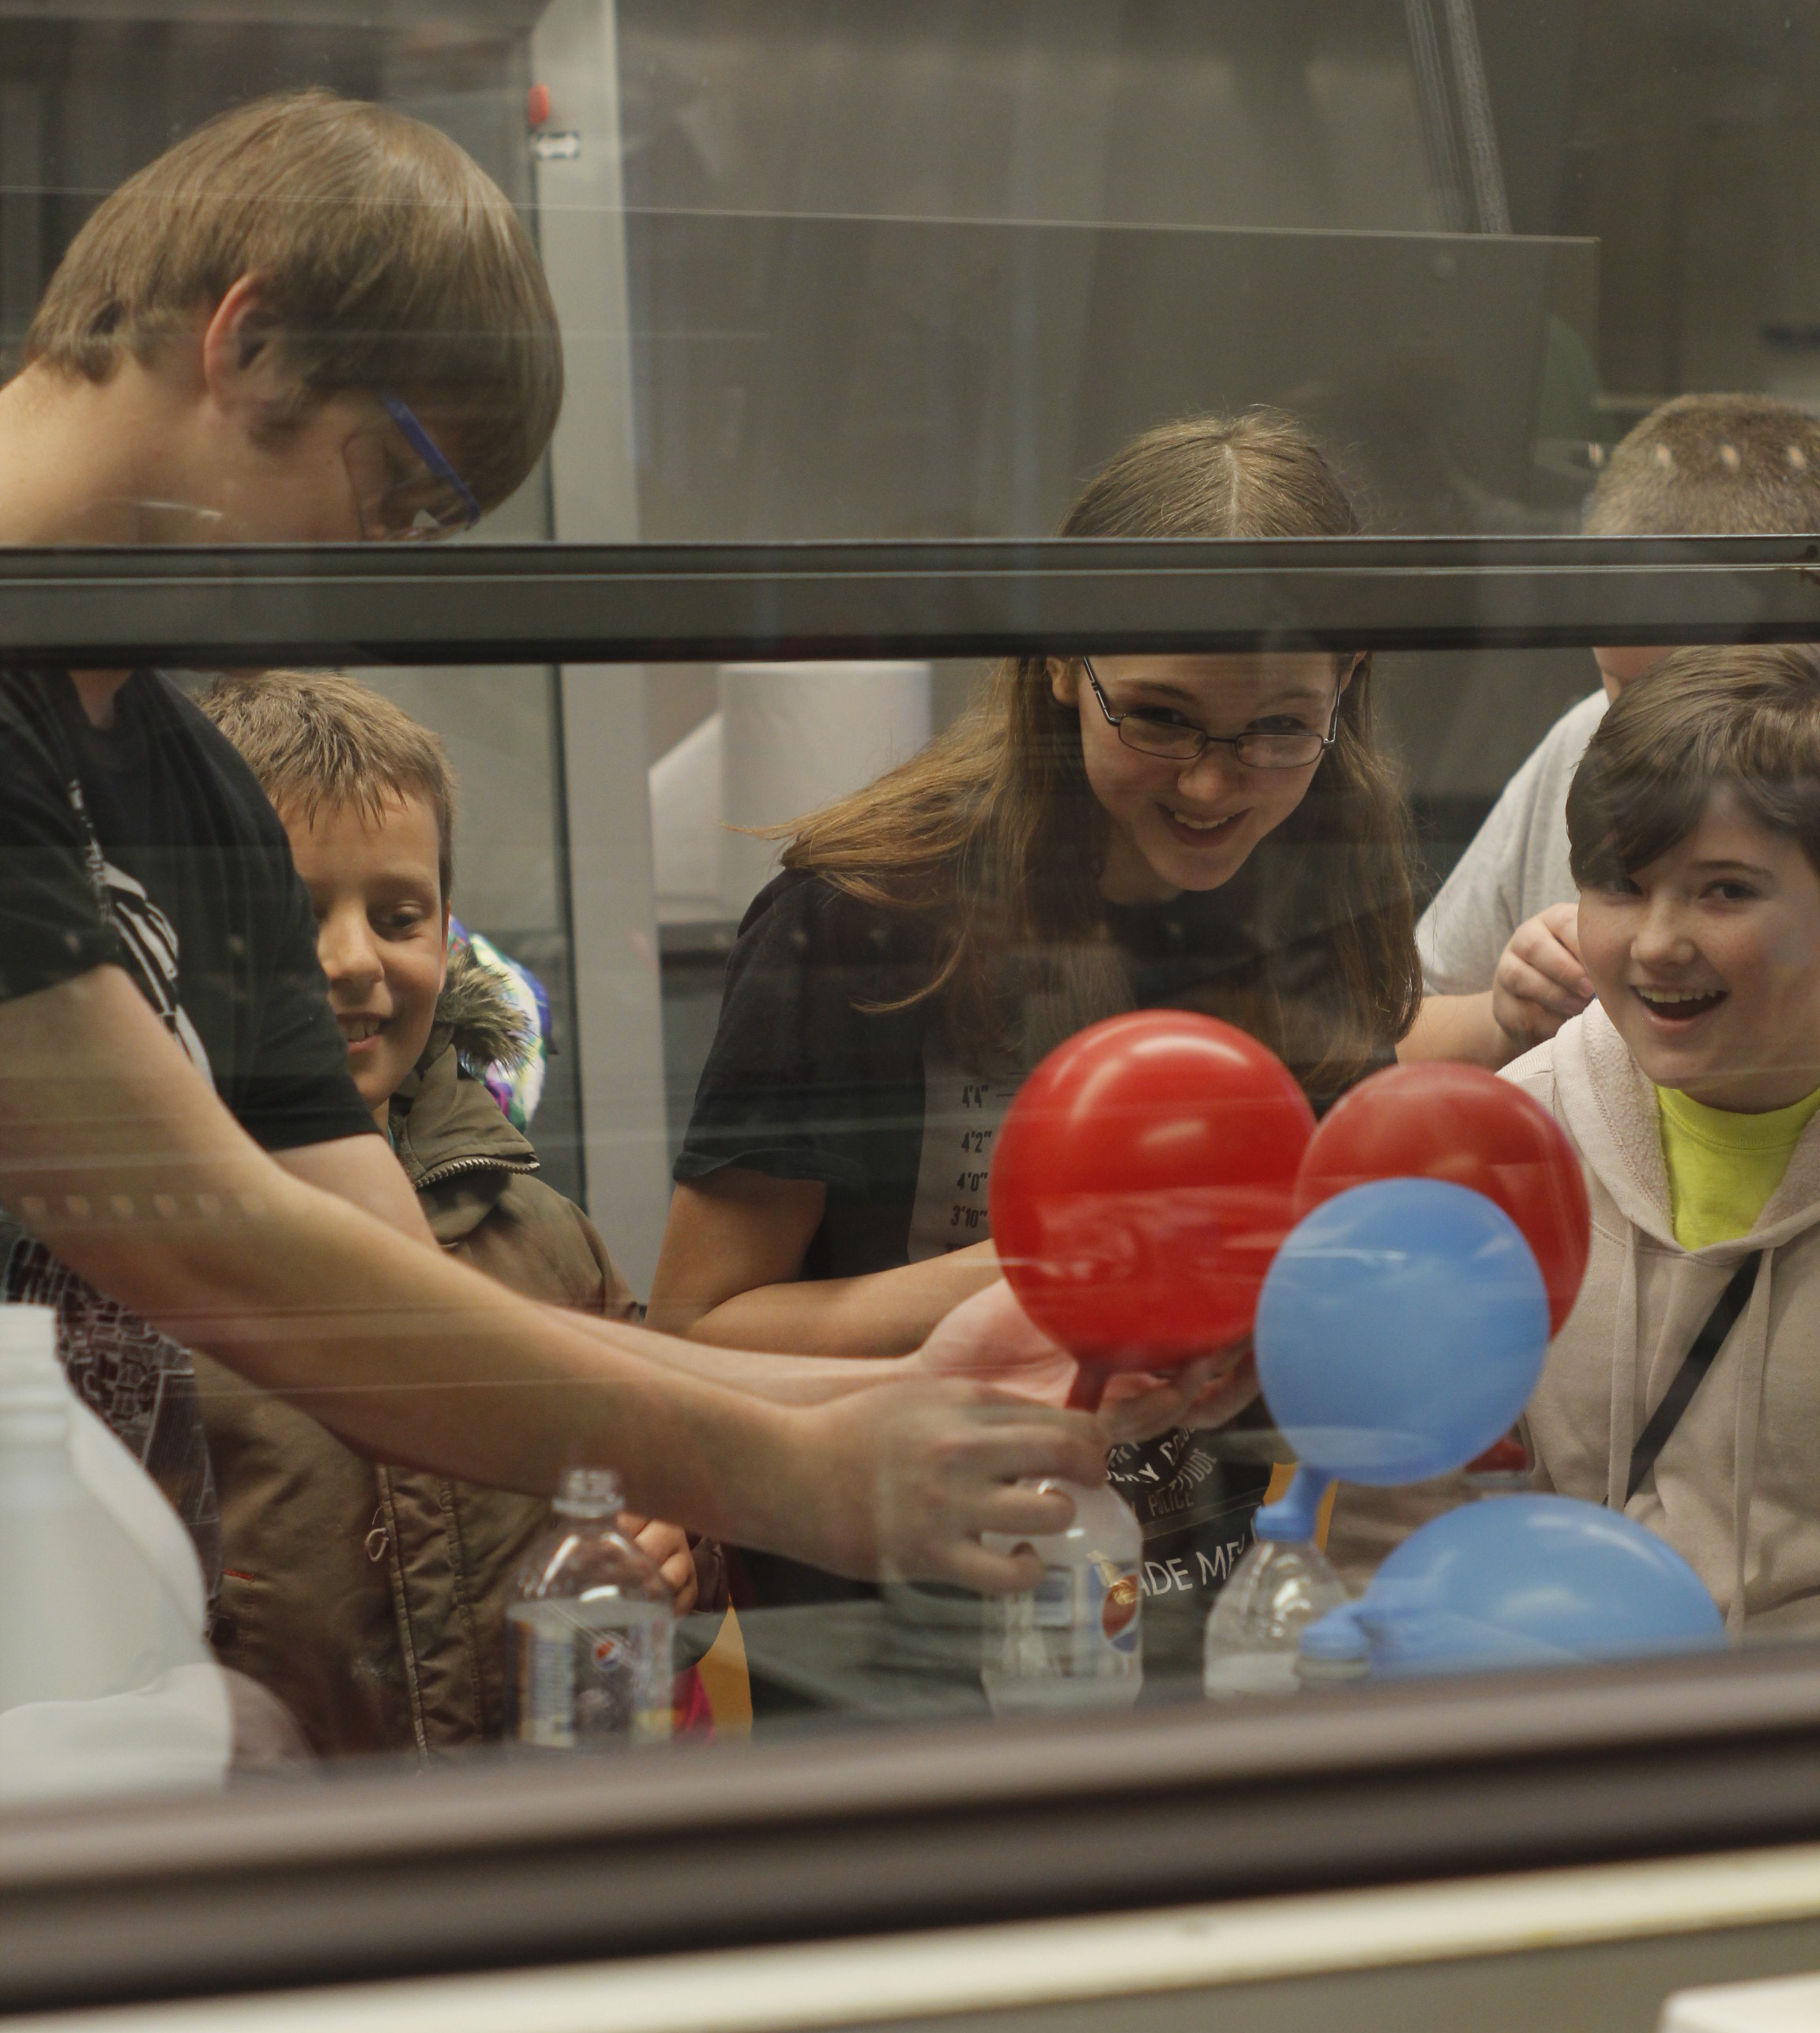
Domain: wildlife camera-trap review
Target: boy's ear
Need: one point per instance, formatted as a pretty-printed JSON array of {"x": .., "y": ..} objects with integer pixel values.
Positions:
[{"x": 243, "y": 367}]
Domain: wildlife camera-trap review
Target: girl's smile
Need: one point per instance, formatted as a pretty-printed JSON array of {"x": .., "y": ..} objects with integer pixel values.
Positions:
[
  {"x": 1674, "y": 1011},
  {"x": 1174, "y": 824},
  {"x": 1708, "y": 962},
  {"x": 1197, "y": 831}
]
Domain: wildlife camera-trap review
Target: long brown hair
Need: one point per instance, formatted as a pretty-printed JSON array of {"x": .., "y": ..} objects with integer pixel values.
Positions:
[{"x": 993, "y": 833}]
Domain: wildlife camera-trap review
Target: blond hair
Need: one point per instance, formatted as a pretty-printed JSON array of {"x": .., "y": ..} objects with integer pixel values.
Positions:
[
  {"x": 317, "y": 742},
  {"x": 390, "y": 261},
  {"x": 1715, "y": 465},
  {"x": 994, "y": 837}
]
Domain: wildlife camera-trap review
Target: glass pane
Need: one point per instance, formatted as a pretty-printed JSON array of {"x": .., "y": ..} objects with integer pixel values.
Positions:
[{"x": 901, "y": 1048}]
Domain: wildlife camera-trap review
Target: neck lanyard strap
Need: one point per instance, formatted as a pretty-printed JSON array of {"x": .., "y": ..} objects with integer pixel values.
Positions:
[{"x": 1698, "y": 1360}]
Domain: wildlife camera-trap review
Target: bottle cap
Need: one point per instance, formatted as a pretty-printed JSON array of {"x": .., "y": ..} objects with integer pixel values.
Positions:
[{"x": 590, "y": 1493}]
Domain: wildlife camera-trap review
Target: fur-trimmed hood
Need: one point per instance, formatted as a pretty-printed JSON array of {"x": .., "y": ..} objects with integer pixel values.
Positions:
[
  {"x": 451, "y": 1136},
  {"x": 475, "y": 1016}
]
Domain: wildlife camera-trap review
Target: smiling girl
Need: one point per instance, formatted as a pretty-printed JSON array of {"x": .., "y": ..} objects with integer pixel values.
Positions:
[
  {"x": 1099, "y": 833},
  {"x": 1691, "y": 1088}
]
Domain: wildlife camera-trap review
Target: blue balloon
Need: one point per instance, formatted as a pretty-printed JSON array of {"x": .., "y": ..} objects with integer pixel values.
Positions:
[
  {"x": 1521, "y": 1581},
  {"x": 1401, "y": 1331}
]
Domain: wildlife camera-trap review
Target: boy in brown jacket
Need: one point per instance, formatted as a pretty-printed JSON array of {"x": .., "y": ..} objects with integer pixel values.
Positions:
[{"x": 371, "y": 1598}]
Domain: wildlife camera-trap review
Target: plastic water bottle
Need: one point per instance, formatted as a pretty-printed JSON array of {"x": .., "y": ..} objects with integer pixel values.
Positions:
[
  {"x": 591, "y": 1633},
  {"x": 1076, "y": 1638},
  {"x": 83, "y": 1612},
  {"x": 1255, "y": 1628}
]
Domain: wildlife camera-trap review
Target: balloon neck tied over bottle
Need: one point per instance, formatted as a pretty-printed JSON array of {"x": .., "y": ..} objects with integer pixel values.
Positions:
[
  {"x": 589, "y": 1492},
  {"x": 1337, "y": 1639},
  {"x": 1521, "y": 1580},
  {"x": 1294, "y": 1515}
]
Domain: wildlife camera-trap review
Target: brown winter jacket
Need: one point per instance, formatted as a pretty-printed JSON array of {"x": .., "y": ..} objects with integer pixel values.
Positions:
[{"x": 371, "y": 1600}]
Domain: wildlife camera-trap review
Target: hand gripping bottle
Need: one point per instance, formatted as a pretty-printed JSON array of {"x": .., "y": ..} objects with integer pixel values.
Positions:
[
  {"x": 84, "y": 1612},
  {"x": 1076, "y": 1638},
  {"x": 591, "y": 1633}
]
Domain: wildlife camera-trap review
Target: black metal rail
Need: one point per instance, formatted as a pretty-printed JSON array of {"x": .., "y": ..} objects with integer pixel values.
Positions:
[
  {"x": 878, "y": 1833},
  {"x": 482, "y": 603}
]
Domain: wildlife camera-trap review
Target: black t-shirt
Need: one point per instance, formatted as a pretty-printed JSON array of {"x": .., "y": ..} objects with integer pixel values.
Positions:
[
  {"x": 813, "y": 1075},
  {"x": 150, "y": 846}
]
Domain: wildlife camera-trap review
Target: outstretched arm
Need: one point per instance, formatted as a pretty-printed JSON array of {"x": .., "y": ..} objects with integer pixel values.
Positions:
[
  {"x": 116, "y": 1152},
  {"x": 729, "y": 1271},
  {"x": 362, "y": 1171}
]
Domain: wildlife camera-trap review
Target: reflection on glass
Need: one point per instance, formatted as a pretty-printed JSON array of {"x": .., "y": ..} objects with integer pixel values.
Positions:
[{"x": 884, "y": 892}]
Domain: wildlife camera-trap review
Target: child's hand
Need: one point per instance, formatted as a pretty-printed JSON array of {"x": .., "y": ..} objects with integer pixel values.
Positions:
[
  {"x": 1204, "y": 1393},
  {"x": 1541, "y": 982},
  {"x": 992, "y": 1340},
  {"x": 667, "y": 1545}
]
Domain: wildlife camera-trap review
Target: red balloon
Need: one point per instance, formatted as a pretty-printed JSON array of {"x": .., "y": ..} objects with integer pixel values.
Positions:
[
  {"x": 1459, "y": 1123},
  {"x": 1141, "y": 1183}
]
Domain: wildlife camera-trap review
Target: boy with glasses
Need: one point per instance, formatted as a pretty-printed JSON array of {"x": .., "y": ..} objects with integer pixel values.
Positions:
[{"x": 317, "y": 321}]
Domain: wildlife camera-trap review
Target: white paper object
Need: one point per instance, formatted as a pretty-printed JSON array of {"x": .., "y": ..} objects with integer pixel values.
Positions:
[
  {"x": 796, "y": 736},
  {"x": 685, "y": 818},
  {"x": 1783, "y": 2004}
]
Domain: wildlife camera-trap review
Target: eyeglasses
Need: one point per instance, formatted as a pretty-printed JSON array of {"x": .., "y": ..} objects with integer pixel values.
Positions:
[
  {"x": 409, "y": 490},
  {"x": 1177, "y": 741}
]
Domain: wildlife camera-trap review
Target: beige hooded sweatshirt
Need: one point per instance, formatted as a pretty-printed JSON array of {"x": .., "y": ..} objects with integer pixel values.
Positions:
[{"x": 1736, "y": 1490}]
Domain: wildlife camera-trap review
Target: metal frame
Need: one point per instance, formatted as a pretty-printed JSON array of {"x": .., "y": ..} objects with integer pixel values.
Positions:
[
  {"x": 844, "y": 1834},
  {"x": 544, "y": 603},
  {"x": 857, "y": 1833}
]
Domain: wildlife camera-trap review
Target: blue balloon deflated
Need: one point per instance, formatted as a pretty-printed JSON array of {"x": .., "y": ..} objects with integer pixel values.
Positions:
[
  {"x": 1529, "y": 1580},
  {"x": 1401, "y": 1331}
]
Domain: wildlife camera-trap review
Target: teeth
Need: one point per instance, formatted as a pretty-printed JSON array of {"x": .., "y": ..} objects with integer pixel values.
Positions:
[
  {"x": 355, "y": 1029},
  {"x": 1662, "y": 995},
  {"x": 1198, "y": 825}
]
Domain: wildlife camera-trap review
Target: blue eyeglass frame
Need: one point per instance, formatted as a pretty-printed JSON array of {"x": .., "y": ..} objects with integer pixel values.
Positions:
[{"x": 428, "y": 449}]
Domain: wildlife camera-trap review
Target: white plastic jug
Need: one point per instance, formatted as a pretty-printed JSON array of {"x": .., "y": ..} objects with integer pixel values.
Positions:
[{"x": 101, "y": 1597}]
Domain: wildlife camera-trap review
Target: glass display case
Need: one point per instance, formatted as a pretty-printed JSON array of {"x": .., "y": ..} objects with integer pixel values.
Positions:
[{"x": 1059, "y": 519}]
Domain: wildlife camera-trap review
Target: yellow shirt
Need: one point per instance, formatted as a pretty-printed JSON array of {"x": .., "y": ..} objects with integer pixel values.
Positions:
[{"x": 1723, "y": 1167}]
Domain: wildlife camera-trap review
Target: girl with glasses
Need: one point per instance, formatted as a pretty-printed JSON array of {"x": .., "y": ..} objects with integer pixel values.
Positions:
[{"x": 1098, "y": 833}]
